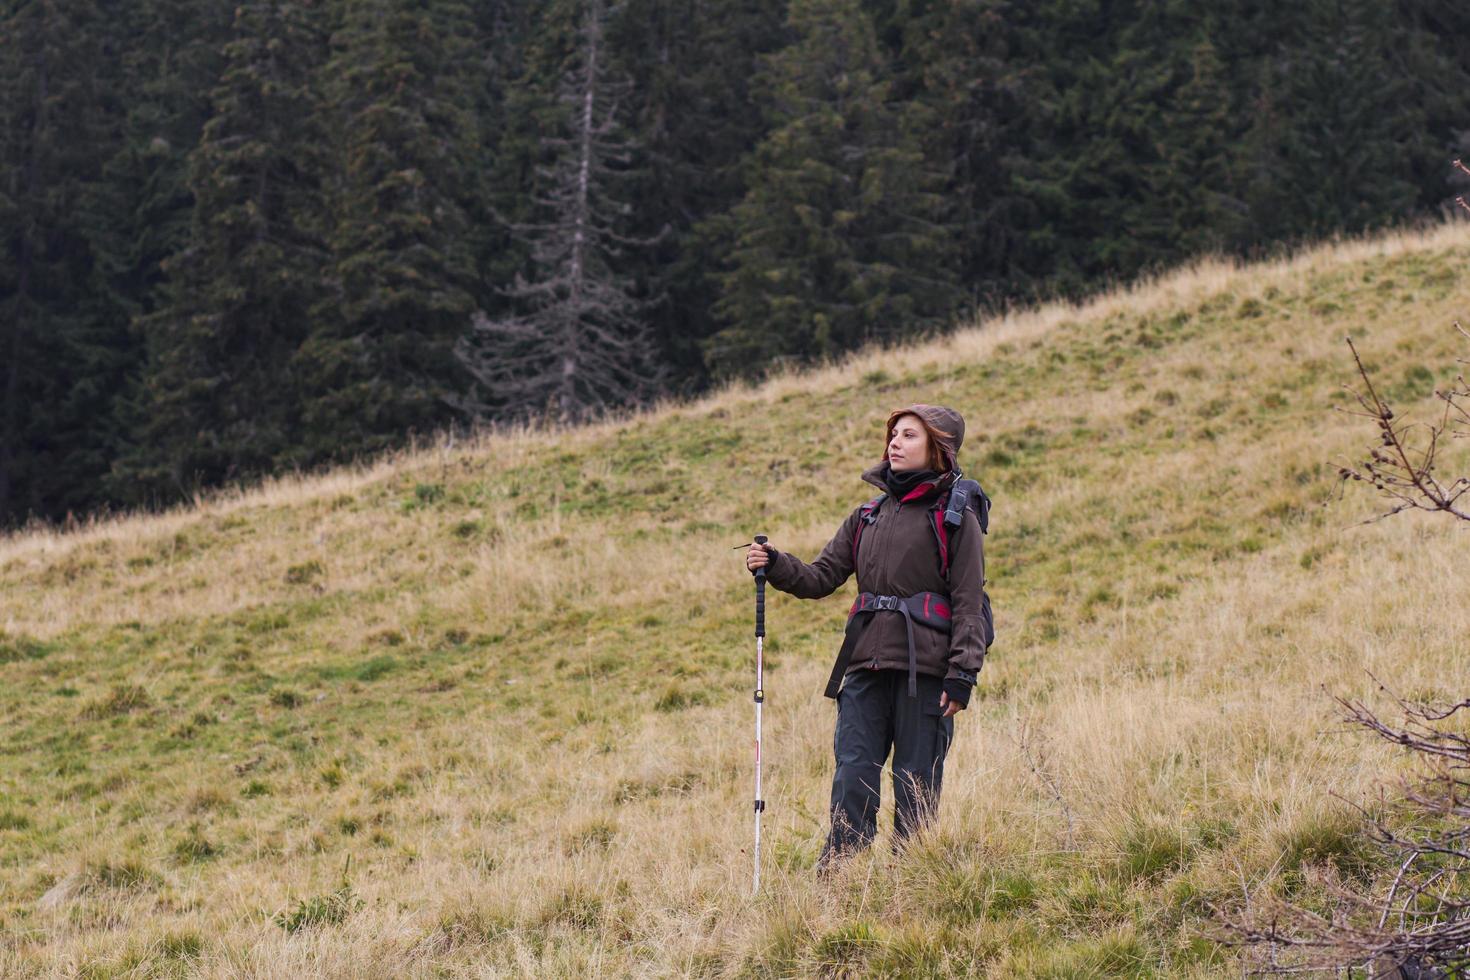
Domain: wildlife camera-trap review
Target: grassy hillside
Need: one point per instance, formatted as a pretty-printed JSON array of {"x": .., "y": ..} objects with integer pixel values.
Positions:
[{"x": 485, "y": 710}]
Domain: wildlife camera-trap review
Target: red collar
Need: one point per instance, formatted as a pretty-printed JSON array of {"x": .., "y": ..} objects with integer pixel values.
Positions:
[{"x": 917, "y": 492}]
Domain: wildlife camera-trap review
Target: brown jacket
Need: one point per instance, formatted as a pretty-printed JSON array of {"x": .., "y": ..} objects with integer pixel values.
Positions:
[{"x": 898, "y": 555}]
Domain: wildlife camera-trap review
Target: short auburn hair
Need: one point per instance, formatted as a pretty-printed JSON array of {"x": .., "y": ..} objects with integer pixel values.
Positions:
[{"x": 935, "y": 460}]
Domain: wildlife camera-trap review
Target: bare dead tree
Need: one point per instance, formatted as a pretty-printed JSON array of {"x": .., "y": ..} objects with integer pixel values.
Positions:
[
  {"x": 579, "y": 345},
  {"x": 1418, "y": 926},
  {"x": 1402, "y": 466}
]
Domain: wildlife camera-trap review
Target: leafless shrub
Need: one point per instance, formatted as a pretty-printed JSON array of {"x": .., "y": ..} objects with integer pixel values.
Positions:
[
  {"x": 1402, "y": 466},
  {"x": 1418, "y": 926}
]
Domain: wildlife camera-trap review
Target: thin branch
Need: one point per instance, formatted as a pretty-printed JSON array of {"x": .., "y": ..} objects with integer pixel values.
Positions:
[
  {"x": 1398, "y": 471},
  {"x": 1037, "y": 763}
]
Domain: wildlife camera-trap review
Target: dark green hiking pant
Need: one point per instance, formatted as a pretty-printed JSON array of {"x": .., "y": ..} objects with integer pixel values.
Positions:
[{"x": 876, "y": 714}]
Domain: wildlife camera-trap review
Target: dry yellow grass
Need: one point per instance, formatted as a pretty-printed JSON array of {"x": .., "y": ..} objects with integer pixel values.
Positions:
[{"x": 509, "y": 679}]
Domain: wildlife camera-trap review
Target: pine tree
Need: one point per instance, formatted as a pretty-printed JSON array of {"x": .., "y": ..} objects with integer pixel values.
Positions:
[
  {"x": 840, "y": 239},
  {"x": 967, "y": 92},
  {"x": 501, "y": 33},
  {"x": 1333, "y": 124},
  {"x": 1192, "y": 204},
  {"x": 378, "y": 363},
  {"x": 1096, "y": 133},
  {"x": 689, "y": 64},
  {"x": 51, "y": 129},
  {"x": 217, "y": 389},
  {"x": 1186, "y": 201},
  {"x": 577, "y": 344},
  {"x": 1127, "y": 162},
  {"x": 140, "y": 213}
]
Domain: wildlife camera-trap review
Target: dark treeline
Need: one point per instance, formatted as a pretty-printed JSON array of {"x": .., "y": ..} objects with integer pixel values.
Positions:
[{"x": 283, "y": 233}]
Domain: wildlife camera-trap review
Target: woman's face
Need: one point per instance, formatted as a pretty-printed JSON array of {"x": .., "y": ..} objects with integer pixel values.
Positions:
[{"x": 908, "y": 448}]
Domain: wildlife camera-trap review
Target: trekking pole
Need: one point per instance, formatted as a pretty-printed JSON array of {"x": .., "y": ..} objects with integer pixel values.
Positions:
[{"x": 760, "y": 697}]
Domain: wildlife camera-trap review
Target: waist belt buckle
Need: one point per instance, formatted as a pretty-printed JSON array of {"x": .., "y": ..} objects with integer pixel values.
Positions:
[{"x": 886, "y": 602}]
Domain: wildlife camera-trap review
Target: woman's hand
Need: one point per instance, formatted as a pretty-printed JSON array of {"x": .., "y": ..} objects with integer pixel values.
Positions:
[
  {"x": 757, "y": 557},
  {"x": 950, "y": 708}
]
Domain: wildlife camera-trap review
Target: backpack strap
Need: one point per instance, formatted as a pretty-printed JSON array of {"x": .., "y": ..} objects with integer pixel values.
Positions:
[
  {"x": 941, "y": 537},
  {"x": 869, "y": 515},
  {"x": 948, "y": 513}
]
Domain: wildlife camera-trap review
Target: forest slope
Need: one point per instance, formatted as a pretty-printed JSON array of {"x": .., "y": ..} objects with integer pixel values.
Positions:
[{"x": 486, "y": 708}]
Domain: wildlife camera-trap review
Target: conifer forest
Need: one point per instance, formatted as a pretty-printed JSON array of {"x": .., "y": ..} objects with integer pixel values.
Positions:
[{"x": 280, "y": 234}]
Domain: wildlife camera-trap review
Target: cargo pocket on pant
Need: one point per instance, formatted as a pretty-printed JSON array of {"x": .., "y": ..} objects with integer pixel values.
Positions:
[
  {"x": 844, "y": 706},
  {"x": 942, "y": 738},
  {"x": 943, "y": 732}
]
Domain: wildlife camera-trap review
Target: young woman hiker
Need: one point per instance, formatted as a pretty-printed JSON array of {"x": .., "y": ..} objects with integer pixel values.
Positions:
[{"x": 917, "y": 633}]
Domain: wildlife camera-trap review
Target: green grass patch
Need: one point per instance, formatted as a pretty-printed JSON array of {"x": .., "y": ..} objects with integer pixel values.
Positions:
[
  {"x": 1334, "y": 839},
  {"x": 1417, "y": 382},
  {"x": 331, "y": 909},
  {"x": 194, "y": 846},
  {"x": 372, "y": 669},
  {"x": 595, "y": 836},
  {"x": 677, "y": 697},
  {"x": 305, "y": 573},
  {"x": 11, "y": 820},
  {"x": 473, "y": 926},
  {"x": 1121, "y": 954},
  {"x": 464, "y": 530},
  {"x": 573, "y": 908},
  {"x": 15, "y": 647},
  {"x": 843, "y": 950},
  {"x": 1010, "y": 892},
  {"x": 375, "y": 668},
  {"x": 128, "y": 875},
  {"x": 180, "y": 946},
  {"x": 1151, "y": 851},
  {"x": 121, "y": 700}
]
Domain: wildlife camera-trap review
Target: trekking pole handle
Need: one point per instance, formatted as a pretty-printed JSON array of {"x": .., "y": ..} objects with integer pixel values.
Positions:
[{"x": 760, "y": 593}]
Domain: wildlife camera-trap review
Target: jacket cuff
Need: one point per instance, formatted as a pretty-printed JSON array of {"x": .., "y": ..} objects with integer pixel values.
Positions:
[
  {"x": 958, "y": 690},
  {"x": 772, "y": 575}
]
